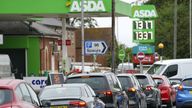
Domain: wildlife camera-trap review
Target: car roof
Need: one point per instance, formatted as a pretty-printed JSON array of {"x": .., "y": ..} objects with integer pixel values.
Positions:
[
  {"x": 159, "y": 76},
  {"x": 174, "y": 61},
  {"x": 123, "y": 74},
  {"x": 90, "y": 74},
  {"x": 66, "y": 85},
  {"x": 10, "y": 83},
  {"x": 140, "y": 74}
]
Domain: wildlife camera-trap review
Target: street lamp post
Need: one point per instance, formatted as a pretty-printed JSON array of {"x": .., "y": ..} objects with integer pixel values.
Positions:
[
  {"x": 161, "y": 46},
  {"x": 82, "y": 33}
]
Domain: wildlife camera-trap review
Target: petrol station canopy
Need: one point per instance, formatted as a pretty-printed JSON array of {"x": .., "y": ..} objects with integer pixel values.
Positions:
[{"x": 26, "y": 9}]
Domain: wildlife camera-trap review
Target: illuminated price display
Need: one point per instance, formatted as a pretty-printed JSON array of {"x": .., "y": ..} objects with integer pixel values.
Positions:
[
  {"x": 143, "y": 31},
  {"x": 146, "y": 24}
]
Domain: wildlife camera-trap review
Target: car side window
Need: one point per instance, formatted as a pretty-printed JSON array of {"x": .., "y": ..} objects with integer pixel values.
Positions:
[
  {"x": 109, "y": 78},
  {"x": 88, "y": 92},
  {"x": 84, "y": 91},
  {"x": 35, "y": 99},
  {"x": 135, "y": 81},
  {"x": 152, "y": 81},
  {"x": 91, "y": 90},
  {"x": 26, "y": 95},
  {"x": 171, "y": 71},
  {"x": 115, "y": 82},
  {"x": 19, "y": 93}
]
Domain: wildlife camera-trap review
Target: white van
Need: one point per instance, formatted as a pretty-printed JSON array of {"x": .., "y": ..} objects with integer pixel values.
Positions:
[
  {"x": 5, "y": 66},
  {"x": 176, "y": 68}
]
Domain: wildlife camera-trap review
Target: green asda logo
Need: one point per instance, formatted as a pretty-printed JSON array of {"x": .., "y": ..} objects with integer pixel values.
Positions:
[
  {"x": 144, "y": 11},
  {"x": 89, "y": 6}
]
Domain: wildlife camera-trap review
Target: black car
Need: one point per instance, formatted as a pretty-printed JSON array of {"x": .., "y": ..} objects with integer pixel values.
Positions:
[
  {"x": 106, "y": 86},
  {"x": 137, "y": 98},
  {"x": 150, "y": 89}
]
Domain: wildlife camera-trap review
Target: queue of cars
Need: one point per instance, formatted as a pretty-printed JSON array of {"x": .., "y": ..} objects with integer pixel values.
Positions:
[{"x": 99, "y": 90}]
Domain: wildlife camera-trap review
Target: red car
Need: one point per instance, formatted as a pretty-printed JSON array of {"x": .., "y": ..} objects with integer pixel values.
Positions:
[
  {"x": 17, "y": 94},
  {"x": 168, "y": 93}
]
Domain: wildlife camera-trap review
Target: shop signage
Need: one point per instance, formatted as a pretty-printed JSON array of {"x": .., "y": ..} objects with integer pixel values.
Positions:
[
  {"x": 36, "y": 82},
  {"x": 146, "y": 49},
  {"x": 89, "y": 6}
]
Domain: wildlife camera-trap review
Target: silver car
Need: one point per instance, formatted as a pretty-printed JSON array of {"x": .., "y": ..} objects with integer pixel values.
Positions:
[{"x": 70, "y": 96}]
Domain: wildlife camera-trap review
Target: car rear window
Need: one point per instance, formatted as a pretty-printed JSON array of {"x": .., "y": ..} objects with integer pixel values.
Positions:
[
  {"x": 158, "y": 80},
  {"x": 97, "y": 83},
  {"x": 143, "y": 80},
  {"x": 187, "y": 82},
  {"x": 61, "y": 92},
  {"x": 5, "y": 96},
  {"x": 125, "y": 81}
]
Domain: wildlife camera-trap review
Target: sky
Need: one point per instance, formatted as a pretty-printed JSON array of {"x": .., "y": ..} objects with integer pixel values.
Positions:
[
  {"x": 123, "y": 26},
  {"x": 123, "y": 29}
]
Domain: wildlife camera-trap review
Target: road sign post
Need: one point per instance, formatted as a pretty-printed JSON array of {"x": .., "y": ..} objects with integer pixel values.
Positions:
[
  {"x": 122, "y": 57},
  {"x": 140, "y": 57}
]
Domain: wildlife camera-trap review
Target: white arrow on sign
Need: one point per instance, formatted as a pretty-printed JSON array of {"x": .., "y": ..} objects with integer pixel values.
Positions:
[{"x": 95, "y": 47}]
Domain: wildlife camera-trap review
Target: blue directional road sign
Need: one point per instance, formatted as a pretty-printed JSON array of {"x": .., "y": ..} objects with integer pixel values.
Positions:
[{"x": 95, "y": 47}]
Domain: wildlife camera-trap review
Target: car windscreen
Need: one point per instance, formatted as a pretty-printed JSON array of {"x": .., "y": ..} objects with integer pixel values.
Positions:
[
  {"x": 5, "y": 96},
  {"x": 156, "y": 69},
  {"x": 142, "y": 80},
  {"x": 126, "y": 82},
  {"x": 97, "y": 83},
  {"x": 187, "y": 82},
  {"x": 61, "y": 92}
]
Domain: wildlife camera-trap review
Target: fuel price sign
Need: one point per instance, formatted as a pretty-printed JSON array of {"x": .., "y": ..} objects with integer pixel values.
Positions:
[{"x": 143, "y": 31}]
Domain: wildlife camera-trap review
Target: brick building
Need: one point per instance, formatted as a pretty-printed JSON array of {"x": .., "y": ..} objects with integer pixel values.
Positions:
[{"x": 94, "y": 34}]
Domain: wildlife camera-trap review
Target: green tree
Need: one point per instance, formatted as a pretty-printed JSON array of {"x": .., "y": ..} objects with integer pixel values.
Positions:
[
  {"x": 89, "y": 22},
  {"x": 165, "y": 27},
  {"x": 117, "y": 61}
]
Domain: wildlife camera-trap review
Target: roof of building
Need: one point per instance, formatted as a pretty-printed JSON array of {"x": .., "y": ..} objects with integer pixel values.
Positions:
[{"x": 25, "y": 28}]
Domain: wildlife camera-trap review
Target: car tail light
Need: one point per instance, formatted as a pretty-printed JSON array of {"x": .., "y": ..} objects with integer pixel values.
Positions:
[
  {"x": 131, "y": 90},
  {"x": 148, "y": 88},
  {"x": 77, "y": 104},
  {"x": 180, "y": 87},
  {"x": 107, "y": 93}
]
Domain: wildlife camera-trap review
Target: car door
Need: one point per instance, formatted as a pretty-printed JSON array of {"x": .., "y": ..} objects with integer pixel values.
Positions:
[
  {"x": 25, "y": 97},
  {"x": 140, "y": 91},
  {"x": 88, "y": 97},
  {"x": 35, "y": 99}
]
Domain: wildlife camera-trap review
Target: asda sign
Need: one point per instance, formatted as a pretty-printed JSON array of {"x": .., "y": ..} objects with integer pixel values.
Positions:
[
  {"x": 89, "y": 6},
  {"x": 144, "y": 11}
]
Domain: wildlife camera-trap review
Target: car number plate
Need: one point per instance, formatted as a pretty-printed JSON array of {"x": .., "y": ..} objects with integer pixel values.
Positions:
[{"x": 59, "y": 107}]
